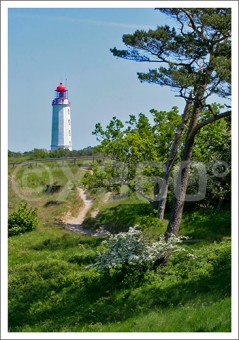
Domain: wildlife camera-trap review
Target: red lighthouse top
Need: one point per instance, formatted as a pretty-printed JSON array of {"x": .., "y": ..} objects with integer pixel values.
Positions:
[
  {"x": 61, "y": 96},
  {"x": 61, "y": 88}
]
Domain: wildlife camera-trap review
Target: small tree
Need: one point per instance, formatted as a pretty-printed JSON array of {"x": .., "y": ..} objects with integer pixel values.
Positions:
[
  {"x": 131, "y": 143},
  {"x": 138, "y": 151},
  {"x": 23, "y": 220}
]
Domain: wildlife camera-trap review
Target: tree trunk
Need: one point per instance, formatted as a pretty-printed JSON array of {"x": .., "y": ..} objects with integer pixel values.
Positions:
[
  {"x": 163, "y": 194},
  {"x": 164, "y": 187},
  {"x": 221, "y": 199},
  {"x": 182, "y": 180},
  {"x": 181, "y": 187}
]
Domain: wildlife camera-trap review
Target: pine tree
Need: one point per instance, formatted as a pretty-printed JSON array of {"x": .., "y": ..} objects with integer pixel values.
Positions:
[{"x": 195, "y": 60}]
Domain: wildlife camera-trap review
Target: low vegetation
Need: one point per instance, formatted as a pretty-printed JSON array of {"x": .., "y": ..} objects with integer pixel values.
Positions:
[
  {"x": 50, "y": 290},
  {"x": 22, "y": 220},
  {"x": 53, "y": 285},
  {"x": 52, "y": 189}
]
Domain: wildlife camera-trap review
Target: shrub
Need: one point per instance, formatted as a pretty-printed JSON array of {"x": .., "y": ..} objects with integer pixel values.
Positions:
[
  {"x": 132, "y": 250},
  {"x": 23, "y": 220}
]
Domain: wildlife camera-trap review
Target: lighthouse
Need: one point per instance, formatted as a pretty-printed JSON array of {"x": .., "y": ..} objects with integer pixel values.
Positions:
[{"x": 61, "y": 120}]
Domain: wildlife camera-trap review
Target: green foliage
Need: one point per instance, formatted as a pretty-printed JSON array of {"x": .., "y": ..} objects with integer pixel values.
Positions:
[
  {"x": 105, "y": 175},
  {"x": 139, "y": 150},
  {"x": 23, "y": 220},
  {"x": 37, "y": 154},
  {"x": 58, "y": 153},
  {"x": 137, "y": 140},
  {"x": 198, "y": 50},
  {"x": 213, "y": 141},
  {"x": 152, "y": 225}
]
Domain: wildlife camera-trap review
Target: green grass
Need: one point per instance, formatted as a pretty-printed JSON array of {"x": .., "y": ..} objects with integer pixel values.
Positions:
[
  {"x": 205, "y": 224},
  {"x": 46, "y": 243},
  {"x": 119, "y": 215},
  {"x": 50, "y": 290},
  {"x": 179, "y": 319}
]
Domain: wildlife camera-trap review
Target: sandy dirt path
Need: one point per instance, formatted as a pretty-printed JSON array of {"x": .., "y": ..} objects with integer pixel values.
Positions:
[
  {"x": 75, "y": 223},
  {"x": 87, "y": 204}
]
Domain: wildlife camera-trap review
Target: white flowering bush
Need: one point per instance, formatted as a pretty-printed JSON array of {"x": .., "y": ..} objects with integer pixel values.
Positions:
[{"x": 132, "y": 250}]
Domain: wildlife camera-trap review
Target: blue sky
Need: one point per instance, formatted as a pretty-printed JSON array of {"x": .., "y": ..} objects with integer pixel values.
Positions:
[{"x": 46, "y": 46}]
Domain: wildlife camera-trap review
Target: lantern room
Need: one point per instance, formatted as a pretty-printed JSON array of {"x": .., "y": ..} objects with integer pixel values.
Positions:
[{"x": 61, "y": 92}]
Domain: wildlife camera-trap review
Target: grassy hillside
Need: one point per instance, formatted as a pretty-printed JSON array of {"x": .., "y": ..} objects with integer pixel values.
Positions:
[
  {"x": 50, "y": 290},
  {"x": 51, "y": 188}
]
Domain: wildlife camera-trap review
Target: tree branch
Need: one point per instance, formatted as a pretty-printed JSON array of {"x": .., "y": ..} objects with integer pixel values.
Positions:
[
  {"x": 182, "y": 24},
  {"x": 224, "y": 37},
  {"x": 149, "y": 199},
  {"x": 194, "y": 27},
  {"x": 208, "y": 121}
]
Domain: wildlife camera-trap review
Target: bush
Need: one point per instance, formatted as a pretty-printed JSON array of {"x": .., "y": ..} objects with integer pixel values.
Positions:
[
  {"x": 23, "y": 220},
  {"x": 131, "y": 249}
]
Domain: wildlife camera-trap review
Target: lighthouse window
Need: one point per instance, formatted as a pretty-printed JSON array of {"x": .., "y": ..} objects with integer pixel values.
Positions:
[
  {"x": 69, "y": 121},
  {"x": 69, "y": 132}
]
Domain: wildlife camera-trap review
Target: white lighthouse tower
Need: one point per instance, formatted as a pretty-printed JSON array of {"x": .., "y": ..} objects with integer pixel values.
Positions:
[{"x": 61, "y": 120}]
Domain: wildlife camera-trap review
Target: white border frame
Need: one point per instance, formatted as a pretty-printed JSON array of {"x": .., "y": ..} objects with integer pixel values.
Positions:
[{"x": 4, "y": 161}]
